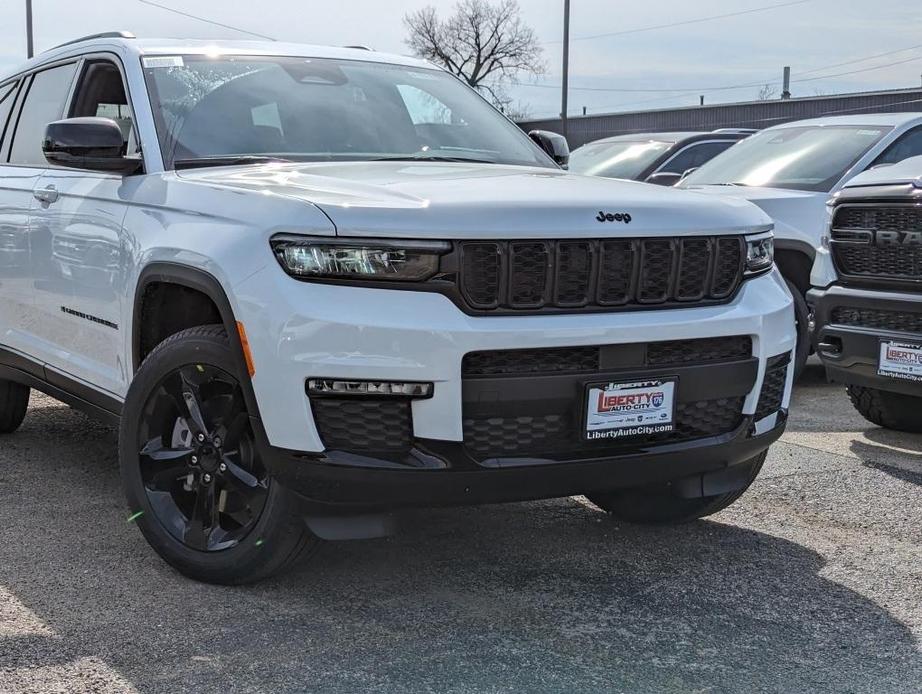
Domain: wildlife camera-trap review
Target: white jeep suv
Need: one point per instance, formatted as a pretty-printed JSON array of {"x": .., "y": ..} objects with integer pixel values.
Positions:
[{"x": 317, "y": 285}]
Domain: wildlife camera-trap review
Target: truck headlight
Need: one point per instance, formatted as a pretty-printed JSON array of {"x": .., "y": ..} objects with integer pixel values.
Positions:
[
  {"x": 760, "y": 254},
  {"x": 310, "y": 257}
]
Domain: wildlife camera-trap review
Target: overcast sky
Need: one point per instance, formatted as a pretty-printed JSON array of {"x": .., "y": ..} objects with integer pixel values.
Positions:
[{"x": 695, "y": 58}]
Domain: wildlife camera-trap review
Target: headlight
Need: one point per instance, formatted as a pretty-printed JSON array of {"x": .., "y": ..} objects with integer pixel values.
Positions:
[
  {"x": 308, "y": 257},
  {"x": 760, "y": 254}
]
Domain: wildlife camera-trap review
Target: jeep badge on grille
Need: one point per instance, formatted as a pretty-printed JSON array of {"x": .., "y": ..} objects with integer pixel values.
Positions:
[{"x": 613, "y": 217}]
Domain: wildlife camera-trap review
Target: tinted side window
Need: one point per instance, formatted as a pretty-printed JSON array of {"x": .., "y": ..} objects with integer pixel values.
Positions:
[
  {"x": 44, "y": 104},
  {"x": 909, "y": 144},
  {"x": 695, "y": 155},
  {"x": 7, "y": 98}
]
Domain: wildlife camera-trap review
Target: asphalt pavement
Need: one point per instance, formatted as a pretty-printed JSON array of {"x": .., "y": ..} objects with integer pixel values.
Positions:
[{"x": 812, "y": 582}]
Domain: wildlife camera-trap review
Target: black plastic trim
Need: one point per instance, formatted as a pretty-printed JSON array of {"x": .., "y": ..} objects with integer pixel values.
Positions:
[
  {"x": 20, "y": 369},
  {"x": 207, "y": 284},
  {"x": 333, "y": 483},
  {"x": 855, "y": 362}
]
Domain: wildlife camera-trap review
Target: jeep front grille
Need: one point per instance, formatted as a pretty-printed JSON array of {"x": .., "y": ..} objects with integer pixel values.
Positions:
[
  {"x": 861, "y": 259},
  {"x": 600, "y": 273}
]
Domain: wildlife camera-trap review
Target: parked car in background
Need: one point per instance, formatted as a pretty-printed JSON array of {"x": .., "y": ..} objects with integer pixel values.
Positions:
[
  {"x": 790, "y": 171},
  {"x": 315, "y": 285},
  {"x": 867, "y": 294},
  {"x": 661, "y": 158}
]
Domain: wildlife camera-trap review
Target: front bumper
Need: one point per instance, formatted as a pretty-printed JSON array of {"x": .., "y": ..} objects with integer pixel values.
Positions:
[
  {"x": 298, "y": 331},
  {"x": 850, "y": 324},
  {"x": 331, "y": 484}
]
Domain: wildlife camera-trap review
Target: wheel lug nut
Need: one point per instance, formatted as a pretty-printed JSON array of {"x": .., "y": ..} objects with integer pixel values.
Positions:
[
  {"x": 200, "y": 438},
  {"x": 207, "y": 477},
  {"x": 222, "y": 467},
  {"x": 217, "y": 441},
  {"x": 194, "y": 460}
]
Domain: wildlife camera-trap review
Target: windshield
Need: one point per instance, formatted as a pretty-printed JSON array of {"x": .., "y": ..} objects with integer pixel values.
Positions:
[
  {"x": 801, "y": 158},
  {"x": 616, "y": 159},
  {"x": 239, "y": 109}
]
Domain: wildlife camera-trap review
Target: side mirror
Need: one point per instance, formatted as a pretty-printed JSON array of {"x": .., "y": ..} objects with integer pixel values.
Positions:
[
  {"x": 664, "y": 178},
  {"x": 96, "y": 144},
  {"x": 553, "y": 144}
]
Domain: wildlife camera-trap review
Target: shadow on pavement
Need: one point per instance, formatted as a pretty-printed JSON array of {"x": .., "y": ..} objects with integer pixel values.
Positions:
[{"x": 546, "y": 596}]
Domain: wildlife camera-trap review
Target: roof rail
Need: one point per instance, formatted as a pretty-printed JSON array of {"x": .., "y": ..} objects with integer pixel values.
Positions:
[
  {"x": 103, "y": 35},
  {"x": 361, "y": 47}
]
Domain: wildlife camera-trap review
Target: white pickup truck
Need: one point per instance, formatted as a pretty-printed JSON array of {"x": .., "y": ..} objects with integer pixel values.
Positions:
[
  {"x": 791, "y": 170},
  {"x": 316, "y": 285}
]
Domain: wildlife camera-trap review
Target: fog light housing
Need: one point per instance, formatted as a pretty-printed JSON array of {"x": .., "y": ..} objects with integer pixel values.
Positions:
[{"x": 321, "y": 387}]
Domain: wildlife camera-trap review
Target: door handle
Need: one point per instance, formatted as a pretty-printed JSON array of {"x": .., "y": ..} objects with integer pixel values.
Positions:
[{"x": 48, "y": 194}]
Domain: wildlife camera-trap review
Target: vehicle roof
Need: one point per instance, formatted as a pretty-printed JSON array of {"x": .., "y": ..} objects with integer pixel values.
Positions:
[
  {"x": 906, "y": 171},
  {"x": 167, "y": 46},
  {"x": 892, "y": 119},
  {"x": 671, "y": 137}
]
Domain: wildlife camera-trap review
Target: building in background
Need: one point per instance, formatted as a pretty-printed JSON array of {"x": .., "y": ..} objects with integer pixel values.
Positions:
[{"x": 750, "y": 114}]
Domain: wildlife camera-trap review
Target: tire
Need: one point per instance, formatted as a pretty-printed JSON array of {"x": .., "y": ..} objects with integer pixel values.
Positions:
[
  {"x": 211, "y": 512},
  {"x": 802, "y": 321},
  {"x": 889, "y": 410},
  {"x": 14, "y": 401},
  {"x": 657, "y": 505}
]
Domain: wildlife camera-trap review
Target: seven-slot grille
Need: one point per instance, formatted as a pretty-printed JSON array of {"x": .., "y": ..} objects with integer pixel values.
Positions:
[
  {"x": 857, "y": 255},
  {"x": 600, "y": 273}
]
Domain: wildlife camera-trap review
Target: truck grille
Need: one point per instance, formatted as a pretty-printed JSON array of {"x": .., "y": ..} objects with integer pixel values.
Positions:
[
  {"x": 599, "y": 273},
  {"x": 856, "y": 254},
  {"x": 897, "y": 321}
]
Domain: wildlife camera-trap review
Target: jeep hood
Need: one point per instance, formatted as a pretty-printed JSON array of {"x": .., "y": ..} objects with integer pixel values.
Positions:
[{"x": 458, "y": 200}]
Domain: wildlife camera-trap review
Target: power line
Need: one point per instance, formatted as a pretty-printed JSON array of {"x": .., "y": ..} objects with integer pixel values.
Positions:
[
  {"x": 686, "y": 22},
  {"x": 734, "y": 86},
  {"x": 205, "y": 19}
]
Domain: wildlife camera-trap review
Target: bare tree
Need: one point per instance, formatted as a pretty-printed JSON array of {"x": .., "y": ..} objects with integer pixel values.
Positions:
[
  {"x": 767, "y": 92},
  {"x": 484, "y": 44}
]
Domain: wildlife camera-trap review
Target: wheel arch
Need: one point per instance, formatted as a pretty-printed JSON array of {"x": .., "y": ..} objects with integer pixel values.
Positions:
[
  {"x": 795, "y": 261},
  {"x": 206, "y": 284}
]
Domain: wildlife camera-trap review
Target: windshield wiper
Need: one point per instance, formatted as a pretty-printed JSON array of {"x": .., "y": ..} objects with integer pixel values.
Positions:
[
  {"x": 434, "y": 157},
  {"x": 229, "y": 160}
]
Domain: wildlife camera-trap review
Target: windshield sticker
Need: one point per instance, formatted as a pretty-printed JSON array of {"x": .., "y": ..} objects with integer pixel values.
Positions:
[{"x": 154, "y": 61}]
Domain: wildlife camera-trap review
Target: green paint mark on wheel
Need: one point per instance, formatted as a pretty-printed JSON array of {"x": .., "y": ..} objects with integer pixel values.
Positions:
[
  {"x": 134, "y": 516},
  {"x": 259, "y": 542}
]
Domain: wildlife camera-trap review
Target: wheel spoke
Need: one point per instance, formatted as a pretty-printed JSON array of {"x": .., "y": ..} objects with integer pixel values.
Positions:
[
  {"x": 203, "y": 518},
  {"x": 155, "y": 450},
  {"x": 238, "y": 474},
  {"x": 192, "y": 398}
]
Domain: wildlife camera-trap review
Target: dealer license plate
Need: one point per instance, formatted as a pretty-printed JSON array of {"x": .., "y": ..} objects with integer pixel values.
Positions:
[
  {"x": 638, "y": 408},
  {"x": 900, "y": 360}
]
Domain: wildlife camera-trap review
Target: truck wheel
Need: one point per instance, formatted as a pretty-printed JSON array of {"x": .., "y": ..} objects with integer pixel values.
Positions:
[
  {"x": 192, "y": 474},
  {"x": 657, "y": 505},
  {"x": 889, "y": 410},
  {"x": 802, "y": 322},
  {"x": 14, "y": 401}
]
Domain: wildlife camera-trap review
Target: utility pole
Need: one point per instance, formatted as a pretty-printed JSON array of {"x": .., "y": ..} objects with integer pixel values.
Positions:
[
  {"x": 786, "y": 80},
  {"x": 29, "y": 44},
  {"x": 566, "y": 67}
]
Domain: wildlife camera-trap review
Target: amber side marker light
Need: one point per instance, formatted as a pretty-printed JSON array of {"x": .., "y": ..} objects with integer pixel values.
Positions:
[{"x": 245, "y": 344}]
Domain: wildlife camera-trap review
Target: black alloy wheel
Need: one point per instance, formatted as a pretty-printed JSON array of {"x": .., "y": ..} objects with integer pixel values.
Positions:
[{"x": 198, "y": 461}]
